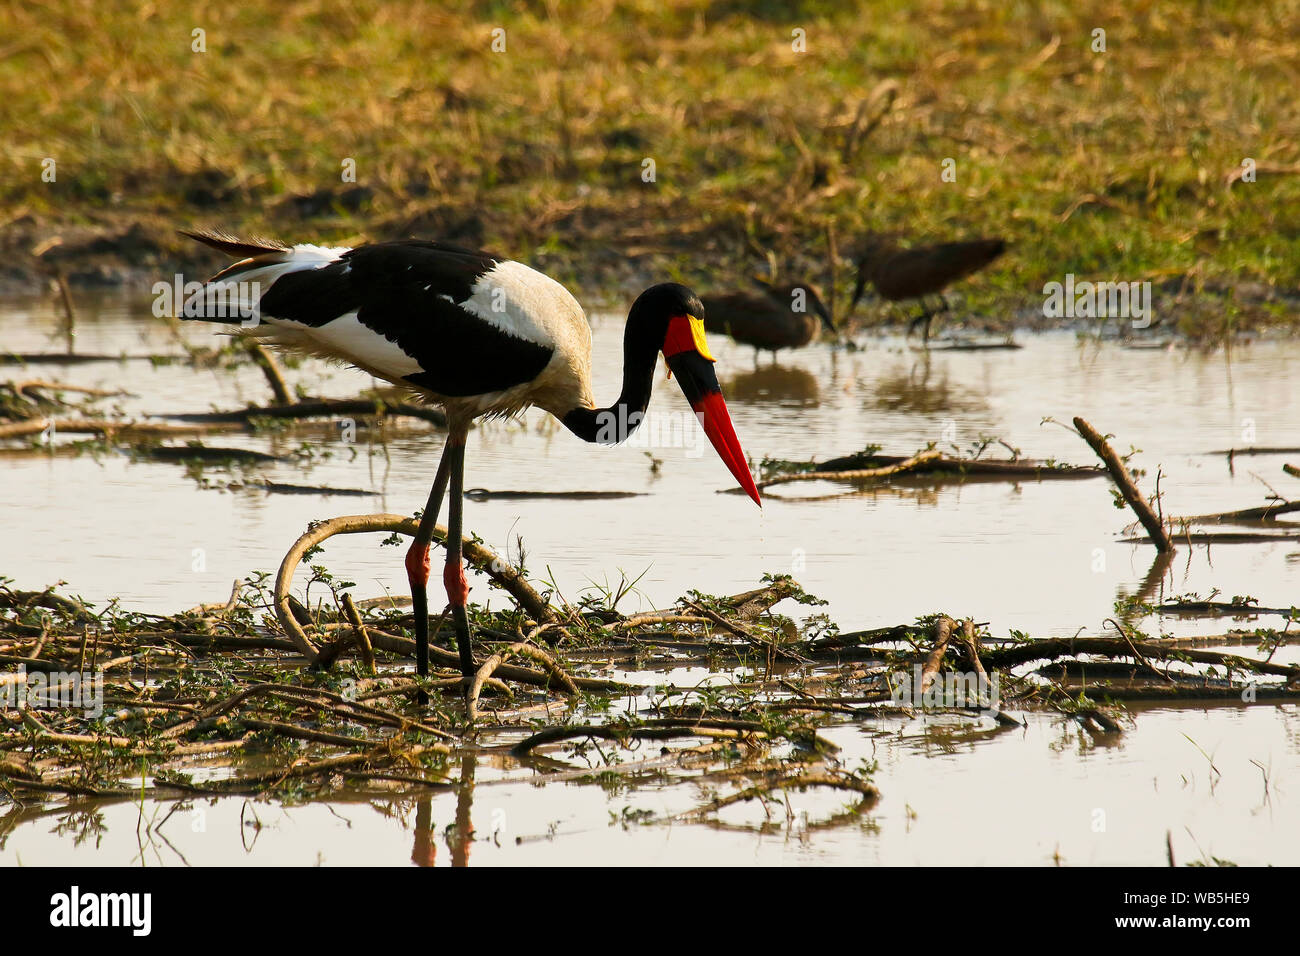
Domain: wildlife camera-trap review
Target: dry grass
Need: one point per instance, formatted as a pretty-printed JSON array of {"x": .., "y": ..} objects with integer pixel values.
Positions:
[{"x": 1113, "y": 165}]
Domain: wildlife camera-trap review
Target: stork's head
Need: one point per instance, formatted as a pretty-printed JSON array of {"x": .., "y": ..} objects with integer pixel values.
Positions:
[{"x": 672, "y": 317}]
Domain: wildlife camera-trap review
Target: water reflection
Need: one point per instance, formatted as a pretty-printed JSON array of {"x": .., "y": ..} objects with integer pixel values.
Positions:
[
  {"x": 459, "y": 835},
  {"x": 787, "y": 385},
  {"x": 425, "y": 852},
  {"x": 920, "y": 388},
  {"x": 1150, "y": 590}
]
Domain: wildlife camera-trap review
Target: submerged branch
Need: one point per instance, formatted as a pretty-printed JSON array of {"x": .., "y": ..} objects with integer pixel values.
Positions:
[{"x": 1124, "y": 481}]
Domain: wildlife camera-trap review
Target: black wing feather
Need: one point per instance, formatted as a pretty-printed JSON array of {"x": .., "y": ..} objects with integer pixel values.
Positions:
[{"x": 411, "y": 292}]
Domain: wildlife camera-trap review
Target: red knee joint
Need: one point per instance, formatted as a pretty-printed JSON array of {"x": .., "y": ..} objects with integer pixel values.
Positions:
[
  {"x": 453, "y": 578},
  {"x": 417, "y": 565}
]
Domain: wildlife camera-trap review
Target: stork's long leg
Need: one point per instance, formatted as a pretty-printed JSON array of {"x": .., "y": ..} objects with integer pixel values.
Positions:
[
  {"x": 417, "y": 565},
  {"x": 453, "y": 575}
]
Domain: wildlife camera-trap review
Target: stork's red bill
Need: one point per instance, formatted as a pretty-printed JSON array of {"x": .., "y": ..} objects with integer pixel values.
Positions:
[{"x": 688, "y": 357}]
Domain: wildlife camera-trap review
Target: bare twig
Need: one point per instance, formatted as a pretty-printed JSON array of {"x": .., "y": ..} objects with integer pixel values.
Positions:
[
  {"x": 271, "y": 369},
  {"x": 860, "y": 474},
  {"x": 943, "y": 629},
  {"x": 522, "y": 649},
  {"x": 477, "y": 555},
  {"x": 1124, "y": 481},
  {"x": 362, "y": 638}
]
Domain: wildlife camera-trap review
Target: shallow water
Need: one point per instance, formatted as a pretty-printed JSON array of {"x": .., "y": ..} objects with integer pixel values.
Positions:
[{"x": 1039, "y": 557}]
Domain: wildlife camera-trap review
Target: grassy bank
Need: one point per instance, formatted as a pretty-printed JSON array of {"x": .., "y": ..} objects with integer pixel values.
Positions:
[{"x": 1115, "y": 164}]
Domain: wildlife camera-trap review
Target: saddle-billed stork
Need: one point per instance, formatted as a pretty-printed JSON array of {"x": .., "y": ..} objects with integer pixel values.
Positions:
[
  {"x": 787, "y": 316},
  {"x": 476, "y": 334},
  {"x": 899, "y": 274}
]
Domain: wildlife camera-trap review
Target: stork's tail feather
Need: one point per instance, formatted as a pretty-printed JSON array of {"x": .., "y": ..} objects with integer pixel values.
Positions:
[
  {"x": 234, "y": 246},
  {"x": 234, "y": 294}
]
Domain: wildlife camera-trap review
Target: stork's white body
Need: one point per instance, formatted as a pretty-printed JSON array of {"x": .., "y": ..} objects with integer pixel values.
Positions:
[{"x": 512, "y": 299}]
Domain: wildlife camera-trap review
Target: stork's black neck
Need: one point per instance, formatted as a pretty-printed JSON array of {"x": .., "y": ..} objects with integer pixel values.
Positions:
[
  {"x": 647, "y": 327},
  {"x": 613, "y": 424}
]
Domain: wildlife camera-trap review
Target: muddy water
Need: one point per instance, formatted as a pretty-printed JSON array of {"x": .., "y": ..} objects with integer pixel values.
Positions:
[{"x": 1038, "y": 557}]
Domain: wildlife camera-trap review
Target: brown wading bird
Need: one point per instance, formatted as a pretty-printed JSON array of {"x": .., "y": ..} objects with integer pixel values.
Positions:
[
  {"x": 898, "y": 274},
  {"x": 478, "y": 335},
  {"x": 780, "y": 317}
]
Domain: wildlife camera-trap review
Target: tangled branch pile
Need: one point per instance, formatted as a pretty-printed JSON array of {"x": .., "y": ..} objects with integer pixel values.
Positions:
[{"x": 229, "y": 698}]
